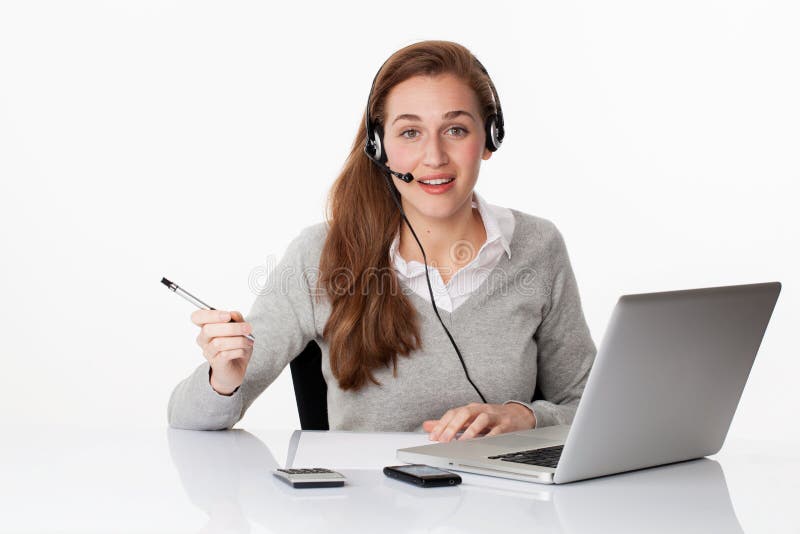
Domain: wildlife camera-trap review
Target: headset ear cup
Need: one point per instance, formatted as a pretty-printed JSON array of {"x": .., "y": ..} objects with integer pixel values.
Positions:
[
  {"x": 492, "y": 140},
  {"x": 380, "y": 152}
]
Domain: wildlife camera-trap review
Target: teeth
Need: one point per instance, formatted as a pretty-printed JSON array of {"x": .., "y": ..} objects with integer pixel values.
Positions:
[{"x": 438, "y": 182}]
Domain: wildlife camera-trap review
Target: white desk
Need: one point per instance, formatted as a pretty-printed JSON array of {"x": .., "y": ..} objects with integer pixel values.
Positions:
[{"x": 161, "y": 480}]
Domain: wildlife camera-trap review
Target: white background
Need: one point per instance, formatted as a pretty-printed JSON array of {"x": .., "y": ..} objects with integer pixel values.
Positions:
[{"x": 194, "y": 140}]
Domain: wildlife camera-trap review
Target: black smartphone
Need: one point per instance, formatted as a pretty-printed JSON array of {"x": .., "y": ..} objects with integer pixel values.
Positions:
[{"x": 422, "y": 475}]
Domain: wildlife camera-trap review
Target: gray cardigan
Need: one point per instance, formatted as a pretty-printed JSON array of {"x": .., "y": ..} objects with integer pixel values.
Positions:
[{"x": 522, "y": 327}]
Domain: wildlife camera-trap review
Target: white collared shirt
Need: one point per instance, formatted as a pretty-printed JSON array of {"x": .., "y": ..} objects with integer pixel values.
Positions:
[{"x": 499, "y": 225}]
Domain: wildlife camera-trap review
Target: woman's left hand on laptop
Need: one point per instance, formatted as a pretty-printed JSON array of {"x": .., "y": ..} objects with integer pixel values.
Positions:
[{"x": 478, "y": 419}]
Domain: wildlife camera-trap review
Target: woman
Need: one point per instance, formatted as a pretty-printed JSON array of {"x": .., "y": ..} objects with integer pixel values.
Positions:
[{"x": 404, "y": 218}]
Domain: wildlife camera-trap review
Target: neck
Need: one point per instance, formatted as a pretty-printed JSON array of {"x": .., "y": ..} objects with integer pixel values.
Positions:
[{"x": 438, "y": 236}]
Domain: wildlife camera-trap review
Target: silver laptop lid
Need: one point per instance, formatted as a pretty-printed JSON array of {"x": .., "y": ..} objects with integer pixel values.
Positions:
[{"x": 667, "y": 378}]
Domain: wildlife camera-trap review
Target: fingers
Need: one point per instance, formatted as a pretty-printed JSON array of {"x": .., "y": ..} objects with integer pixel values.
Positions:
[
  {"x": 212, "y": 325},
  {"x": 453, "y": 421},
  {"x": 201, "y": 317},
  {"x": 230, "y": 355},
  {"x": 218, "y": 344},
  {"x": 211, "y": 330},
  {"x": 462, "y": 418},
  {"x": 441, "y": 424},
  {"x": 495, "y": 431},
  {"x": 482, "y": 420},
  {"x": 476, "y": 419}
]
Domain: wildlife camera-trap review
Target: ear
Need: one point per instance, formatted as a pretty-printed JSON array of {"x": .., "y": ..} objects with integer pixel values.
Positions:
[{"x": 486, "y": 154}]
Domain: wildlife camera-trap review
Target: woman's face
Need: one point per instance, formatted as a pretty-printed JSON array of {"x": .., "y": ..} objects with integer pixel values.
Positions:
[{"x": 434, "y": 130}]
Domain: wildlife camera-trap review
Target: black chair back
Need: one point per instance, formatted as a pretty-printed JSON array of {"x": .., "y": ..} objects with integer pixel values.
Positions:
[{"x": 310, "y": 389}]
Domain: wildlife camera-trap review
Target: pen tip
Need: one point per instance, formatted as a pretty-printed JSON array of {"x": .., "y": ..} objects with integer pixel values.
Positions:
[{"x": 166, "y": 282}]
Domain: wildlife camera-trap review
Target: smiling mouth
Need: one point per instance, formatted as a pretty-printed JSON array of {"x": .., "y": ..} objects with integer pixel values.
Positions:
[{"x": 437, "y": 181}]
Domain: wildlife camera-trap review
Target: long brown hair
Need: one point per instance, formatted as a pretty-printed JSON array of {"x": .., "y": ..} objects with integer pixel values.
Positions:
[{"x": 371, "y": 320}]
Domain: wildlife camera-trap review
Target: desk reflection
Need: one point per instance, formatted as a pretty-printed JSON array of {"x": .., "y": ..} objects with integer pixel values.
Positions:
[{"x": 228, "y": 474}]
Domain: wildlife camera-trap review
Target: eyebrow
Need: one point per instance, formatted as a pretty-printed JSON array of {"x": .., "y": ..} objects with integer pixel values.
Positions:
[{"x": 447, "y": 116}]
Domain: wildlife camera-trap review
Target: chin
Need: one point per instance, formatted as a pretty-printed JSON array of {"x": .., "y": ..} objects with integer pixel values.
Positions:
[{"x": 437, "y": 207}]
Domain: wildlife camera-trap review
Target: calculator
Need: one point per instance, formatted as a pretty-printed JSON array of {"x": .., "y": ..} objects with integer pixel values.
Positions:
[{"x": 310, "y": 478}]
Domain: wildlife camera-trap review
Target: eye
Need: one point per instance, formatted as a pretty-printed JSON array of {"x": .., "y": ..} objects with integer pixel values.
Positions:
[
  {"x": 403, "y": 134},
  {"x": 462, "y": 131}
]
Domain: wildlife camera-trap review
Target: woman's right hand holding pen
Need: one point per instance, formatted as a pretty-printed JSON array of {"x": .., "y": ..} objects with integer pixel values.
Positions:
[{"x": 228, "y": 351}]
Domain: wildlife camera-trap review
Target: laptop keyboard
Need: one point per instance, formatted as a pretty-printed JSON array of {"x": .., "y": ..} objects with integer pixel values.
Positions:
[{"x": 546, "y": 457}]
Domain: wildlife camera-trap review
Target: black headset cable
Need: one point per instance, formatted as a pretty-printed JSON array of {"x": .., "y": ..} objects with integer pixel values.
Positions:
[{"x": 394, "y": 194}]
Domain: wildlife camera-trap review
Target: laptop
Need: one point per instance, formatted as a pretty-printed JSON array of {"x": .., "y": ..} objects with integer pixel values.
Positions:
[{"x": 663, "y": 388}]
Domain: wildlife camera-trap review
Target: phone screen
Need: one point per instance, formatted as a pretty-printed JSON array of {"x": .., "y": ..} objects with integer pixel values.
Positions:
[{"x": 421, "y": 470}]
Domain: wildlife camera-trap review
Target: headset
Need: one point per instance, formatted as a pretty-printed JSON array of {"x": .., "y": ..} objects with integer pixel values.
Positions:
[{"x": 373, "y": 148}]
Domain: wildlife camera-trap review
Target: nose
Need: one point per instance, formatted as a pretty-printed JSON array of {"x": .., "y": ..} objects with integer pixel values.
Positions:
[{"x": 435, "y": 153}]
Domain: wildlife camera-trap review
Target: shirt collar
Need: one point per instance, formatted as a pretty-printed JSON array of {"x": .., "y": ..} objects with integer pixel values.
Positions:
[{"x": 497, "y": 221}]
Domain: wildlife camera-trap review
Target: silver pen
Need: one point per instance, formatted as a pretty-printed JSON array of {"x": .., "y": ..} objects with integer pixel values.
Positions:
[{"x": 196, "y": 301}]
